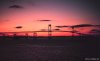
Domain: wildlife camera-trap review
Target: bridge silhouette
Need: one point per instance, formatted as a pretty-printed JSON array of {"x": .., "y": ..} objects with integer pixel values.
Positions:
[
  {"x": 27, "y": 32},
  {"x": 49, "y": 31}
]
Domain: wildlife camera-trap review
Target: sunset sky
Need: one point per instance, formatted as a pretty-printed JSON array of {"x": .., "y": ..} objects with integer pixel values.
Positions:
[{"x": 27, "y": 13}]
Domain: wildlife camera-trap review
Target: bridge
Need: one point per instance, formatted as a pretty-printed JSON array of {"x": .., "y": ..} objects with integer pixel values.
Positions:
[{"x": 26, "y": 32}]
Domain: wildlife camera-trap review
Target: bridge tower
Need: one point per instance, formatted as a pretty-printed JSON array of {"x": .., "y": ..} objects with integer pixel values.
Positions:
[{"x": 49, "y": 30}]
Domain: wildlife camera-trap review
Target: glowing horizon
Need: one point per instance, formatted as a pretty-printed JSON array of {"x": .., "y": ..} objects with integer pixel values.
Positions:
[{"x": 27, "y": 14}]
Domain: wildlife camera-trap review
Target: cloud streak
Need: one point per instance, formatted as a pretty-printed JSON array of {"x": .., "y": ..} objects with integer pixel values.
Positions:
[
  {"x": 16, "y": 6},
  {"x": 44, "y": 20},
  {"x": 62, "y": 26},
  {"x": 82, "y": 25},
  {"x": 18, "y": 27},
  {"x": 56, "y": 29}
]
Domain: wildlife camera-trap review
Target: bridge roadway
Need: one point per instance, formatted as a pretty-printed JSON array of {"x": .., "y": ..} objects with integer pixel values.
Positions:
[{"x": 34, "y": 31}]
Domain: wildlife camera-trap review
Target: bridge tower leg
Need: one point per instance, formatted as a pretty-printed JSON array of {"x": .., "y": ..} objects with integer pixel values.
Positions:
[
  {"x": 49, "y": 30},
  {"x": 35, "y": 34}
]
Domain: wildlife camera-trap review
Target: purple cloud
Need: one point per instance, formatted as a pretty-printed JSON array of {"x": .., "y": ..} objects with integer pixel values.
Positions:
[{"x": 15, "y": 6}]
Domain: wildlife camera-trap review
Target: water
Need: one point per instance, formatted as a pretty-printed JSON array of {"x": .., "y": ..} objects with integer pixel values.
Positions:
[{"x": 49, "y": 50}]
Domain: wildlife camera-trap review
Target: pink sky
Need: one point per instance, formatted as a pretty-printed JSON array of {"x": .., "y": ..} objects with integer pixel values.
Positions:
[{"x": 28, "y": 17}]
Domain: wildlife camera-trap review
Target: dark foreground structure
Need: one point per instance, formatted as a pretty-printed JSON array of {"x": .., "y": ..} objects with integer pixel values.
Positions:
[{"x": 84, "y": 48}]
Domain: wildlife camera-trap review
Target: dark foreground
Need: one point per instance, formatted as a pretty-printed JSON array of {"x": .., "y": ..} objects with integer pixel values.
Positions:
[{"x": 54, "y": 49}]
